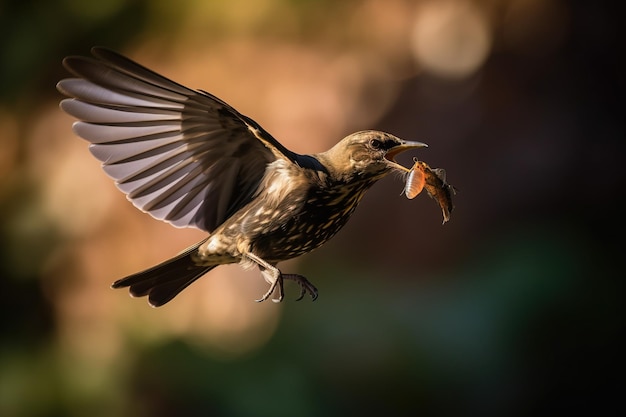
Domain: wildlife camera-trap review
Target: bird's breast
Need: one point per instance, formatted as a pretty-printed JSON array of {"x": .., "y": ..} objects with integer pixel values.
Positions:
[{"x": 305, "y": 219}]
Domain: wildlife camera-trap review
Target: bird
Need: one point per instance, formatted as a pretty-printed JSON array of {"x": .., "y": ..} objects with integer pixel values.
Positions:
[{"x": 188, "y": 158}]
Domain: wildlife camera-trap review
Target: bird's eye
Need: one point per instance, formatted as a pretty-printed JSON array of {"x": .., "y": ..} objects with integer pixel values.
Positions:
[{"x": 376, "y": 144}]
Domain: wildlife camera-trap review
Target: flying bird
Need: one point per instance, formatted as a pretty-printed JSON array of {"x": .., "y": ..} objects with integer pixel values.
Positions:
[{"x": 188, "y": 158}]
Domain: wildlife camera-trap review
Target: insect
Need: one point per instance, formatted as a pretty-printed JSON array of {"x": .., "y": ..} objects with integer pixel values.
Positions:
[
  {"x": 421, "y": 176},
  {"x": 415, "y": 181}
]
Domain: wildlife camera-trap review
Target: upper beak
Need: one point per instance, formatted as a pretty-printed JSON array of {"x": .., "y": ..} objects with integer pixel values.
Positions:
[{"x": 404, "y": 146}]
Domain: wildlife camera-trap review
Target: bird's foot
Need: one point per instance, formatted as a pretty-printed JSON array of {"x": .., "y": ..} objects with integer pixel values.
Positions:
[
  {"x": 275, "y": 278},
  {"x": 305, "y": 286},
  {"x": 277, "y": 283}
]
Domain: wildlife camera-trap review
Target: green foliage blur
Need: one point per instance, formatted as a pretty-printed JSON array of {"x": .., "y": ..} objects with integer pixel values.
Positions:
[{"x": 515, "y": 307}]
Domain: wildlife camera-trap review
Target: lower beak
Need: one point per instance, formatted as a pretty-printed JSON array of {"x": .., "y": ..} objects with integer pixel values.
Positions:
[{"x": 404, "y": 146}]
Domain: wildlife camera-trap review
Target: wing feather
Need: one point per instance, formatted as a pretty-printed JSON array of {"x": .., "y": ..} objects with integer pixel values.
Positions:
[{"x": 183, "y": 156}]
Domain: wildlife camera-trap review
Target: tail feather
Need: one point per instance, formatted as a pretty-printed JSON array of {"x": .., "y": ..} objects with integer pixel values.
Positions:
[{"x": 163, "y": 282}]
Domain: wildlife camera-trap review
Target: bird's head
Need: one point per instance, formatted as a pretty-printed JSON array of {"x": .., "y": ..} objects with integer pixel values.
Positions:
[{"x": 367, "y": 155}]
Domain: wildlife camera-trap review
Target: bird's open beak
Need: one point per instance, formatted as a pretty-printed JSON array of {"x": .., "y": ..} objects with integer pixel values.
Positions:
[{"x": 396, "y": 150}]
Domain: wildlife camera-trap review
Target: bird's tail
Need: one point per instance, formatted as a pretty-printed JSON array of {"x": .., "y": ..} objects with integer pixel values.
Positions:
[{"x": 164, "y": 281}]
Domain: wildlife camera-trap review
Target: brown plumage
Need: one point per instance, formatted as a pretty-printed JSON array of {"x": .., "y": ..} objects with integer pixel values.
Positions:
[{"x": 188, "y": 158}]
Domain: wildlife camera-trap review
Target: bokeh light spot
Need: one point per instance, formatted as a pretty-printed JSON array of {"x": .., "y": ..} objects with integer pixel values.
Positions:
[{"x": 450, "y": 39}]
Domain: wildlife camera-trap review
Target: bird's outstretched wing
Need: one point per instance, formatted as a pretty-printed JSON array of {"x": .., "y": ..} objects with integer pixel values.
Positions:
[{"x": 183, "y": 156}]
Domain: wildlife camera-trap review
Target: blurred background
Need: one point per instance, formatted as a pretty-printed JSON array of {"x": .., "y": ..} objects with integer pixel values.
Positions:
[{"x": 514, "y": 307}]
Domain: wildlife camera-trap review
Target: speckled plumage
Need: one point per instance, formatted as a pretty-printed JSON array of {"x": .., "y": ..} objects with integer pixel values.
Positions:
[{"x": 188, "y": 158}]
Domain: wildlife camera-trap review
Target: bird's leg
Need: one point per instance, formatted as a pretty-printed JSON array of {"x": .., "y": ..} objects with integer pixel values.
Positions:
[
  {"x": 305, "y": 285},
  {"x": 272, "y": 275}
]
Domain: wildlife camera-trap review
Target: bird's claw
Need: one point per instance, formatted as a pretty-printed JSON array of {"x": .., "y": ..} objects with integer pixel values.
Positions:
[{"x": 305, "y": 286}]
